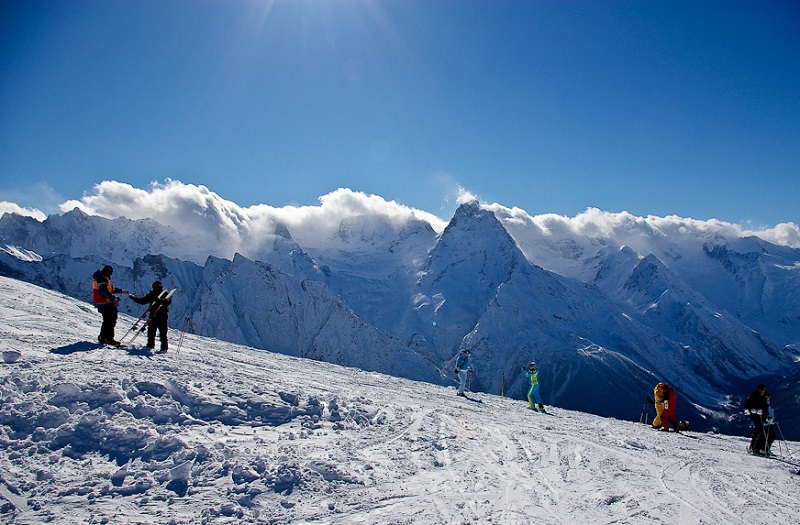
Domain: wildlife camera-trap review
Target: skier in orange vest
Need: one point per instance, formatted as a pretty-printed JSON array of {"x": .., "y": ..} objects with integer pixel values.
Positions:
[{"x": 105, "y": 301}]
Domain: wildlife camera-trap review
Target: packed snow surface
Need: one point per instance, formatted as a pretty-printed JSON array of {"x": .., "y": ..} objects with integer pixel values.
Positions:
[{"x": 218, "y": 433}]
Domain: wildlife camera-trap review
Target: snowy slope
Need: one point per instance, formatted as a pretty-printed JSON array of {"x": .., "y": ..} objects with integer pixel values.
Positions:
[{"x": 220, "y": 433}]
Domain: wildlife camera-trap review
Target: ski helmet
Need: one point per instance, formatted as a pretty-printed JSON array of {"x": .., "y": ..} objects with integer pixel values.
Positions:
[
  {"x": 157, "y": 285},
  {"x": 532, "y": 364}
]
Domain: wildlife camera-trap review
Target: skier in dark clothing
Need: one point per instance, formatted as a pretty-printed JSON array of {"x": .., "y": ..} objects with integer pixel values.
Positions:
[
  {"x": 159, "y": 315},
  {"x": 757, "y": 407},
  {"x": 105, "y": 301}
]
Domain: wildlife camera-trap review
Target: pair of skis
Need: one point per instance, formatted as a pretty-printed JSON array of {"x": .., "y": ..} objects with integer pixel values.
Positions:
[{"x": 163, "y": 296}]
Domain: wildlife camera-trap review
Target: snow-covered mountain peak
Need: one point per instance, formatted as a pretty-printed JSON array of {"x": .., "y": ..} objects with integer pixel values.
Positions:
[
  {"x": 475, "y": 228},
  {"x": 472, "y": 212},
  {"x": 282, "y": 231},
  {"x": 475, "y": 247}
]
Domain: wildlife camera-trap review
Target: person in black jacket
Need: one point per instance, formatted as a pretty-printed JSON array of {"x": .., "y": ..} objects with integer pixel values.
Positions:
[
  {"x": 159, "y": 315},
  {"x": 757, "y": 407}
]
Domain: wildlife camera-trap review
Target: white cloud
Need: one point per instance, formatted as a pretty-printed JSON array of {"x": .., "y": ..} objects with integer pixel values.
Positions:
[
  {"x": 623, "y": 225},
  {"x": 464, "y": 196},
  {"x": 10, "y": 207},
  {"x": 784, "y": 234},
  {"x": 189, "y": 209},
  {"x": 315, "y": 224},
  {"x": 197, "y": 211}
]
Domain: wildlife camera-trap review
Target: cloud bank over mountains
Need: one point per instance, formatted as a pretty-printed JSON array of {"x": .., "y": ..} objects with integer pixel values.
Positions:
[
  {"x": 601, "y": 224},
  {"x": 190, "y": 208},
  {"x": 10, "y": 207}
]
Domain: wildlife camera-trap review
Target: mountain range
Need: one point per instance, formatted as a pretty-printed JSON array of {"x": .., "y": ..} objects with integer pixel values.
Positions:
[{"x": 605, "y": 313}]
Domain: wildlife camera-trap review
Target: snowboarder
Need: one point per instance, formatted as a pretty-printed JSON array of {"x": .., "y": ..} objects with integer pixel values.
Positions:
[
  {"x": 159, "y": 315},
  {"x": 658, "y": 401},
  {"x": 462, "y": 370},
  {"x": 757, "y": 408},
  {"x": 670, "y": 404},
  {"x": 106, "y": 302},
  {"x": 532, "y": 374}
]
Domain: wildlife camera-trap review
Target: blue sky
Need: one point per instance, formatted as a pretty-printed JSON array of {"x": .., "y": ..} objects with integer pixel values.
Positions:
[{"x": 674, "y": 107}]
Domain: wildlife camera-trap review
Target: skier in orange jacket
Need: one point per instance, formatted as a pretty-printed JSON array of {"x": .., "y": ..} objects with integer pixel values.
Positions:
[{"x": 105, "y": 301}]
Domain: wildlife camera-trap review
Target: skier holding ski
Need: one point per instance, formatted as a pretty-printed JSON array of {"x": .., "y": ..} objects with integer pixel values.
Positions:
[
  {"x": 105, "y": 301},
  {"x": 532, "y": 373},
  {"x": 462, "y": 370},
  {"x": 159, "y": 315}
]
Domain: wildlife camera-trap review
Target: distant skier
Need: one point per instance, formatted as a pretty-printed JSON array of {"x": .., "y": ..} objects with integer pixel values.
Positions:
[
  {"x": 658, "y": 400},
  {"x": 532, "y": 374},
  {"x": 159, "y": 315},
  {"x": 462, "y": 370},
  {"x": 769, "y": 422},
  {"x": 105, "y": 301},
  {"x": 757, "y": 407},
  {"x": 670, "y": 404}
]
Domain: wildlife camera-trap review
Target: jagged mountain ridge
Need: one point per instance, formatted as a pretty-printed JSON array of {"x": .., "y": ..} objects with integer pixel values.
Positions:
[
  {"x": 420, "y": 297},
  {"x": 747, "y": 277}
]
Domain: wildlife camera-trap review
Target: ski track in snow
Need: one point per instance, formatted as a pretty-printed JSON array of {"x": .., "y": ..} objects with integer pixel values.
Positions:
[{"x": 220, "y": 433}]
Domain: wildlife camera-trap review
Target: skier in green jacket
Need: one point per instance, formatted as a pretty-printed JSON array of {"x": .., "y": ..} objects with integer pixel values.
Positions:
[{"x": 532, "y": 373}]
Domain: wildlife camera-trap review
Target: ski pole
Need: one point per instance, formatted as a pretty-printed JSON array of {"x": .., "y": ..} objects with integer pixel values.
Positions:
[
  {"x": 766, "y": 437},
  {"x": 183, "y": 332},
  {"x": 783, "y": 440},
  {"x": 644, "y": 408}
]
